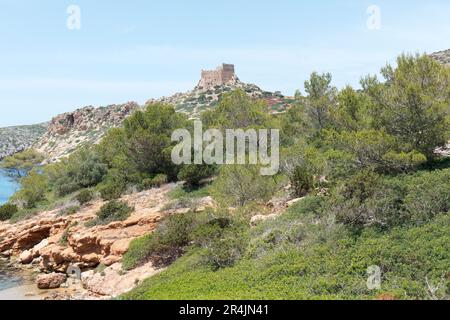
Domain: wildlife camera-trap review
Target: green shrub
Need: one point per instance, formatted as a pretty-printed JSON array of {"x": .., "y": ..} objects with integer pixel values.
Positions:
[
  {"x": 369, "y": 199},
  {"x": 221, "y": 246},
  {"x": 83, "y": 169},
  {"x": 33, "y": 189},
  {"x": 69, "y": 211},
  {"x": 163, "y": 246},
  {"x": 7, "y": 211},
  {"x": 193, "y": 174},
  {"x": 327, "y": 270},
  {"x": 156, "y": 182},
  {"x": 225, "y": 245},
  {"x": 159, "y": 180},
  {"x": 85, "y": 196},
  {"x": 238, "y": 185},
  {"x": 302, "y": 181},
  {"x": 186, "y": 192},
  {"x": 64, "y": 237},
  {"x": 111, "y": 191},
  {"x": 112, "y": 211},
  {"x": 428, "y": 195}
]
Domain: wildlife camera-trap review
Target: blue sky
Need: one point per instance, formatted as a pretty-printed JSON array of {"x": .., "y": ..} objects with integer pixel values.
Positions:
[{"x": 139, "y": 49}]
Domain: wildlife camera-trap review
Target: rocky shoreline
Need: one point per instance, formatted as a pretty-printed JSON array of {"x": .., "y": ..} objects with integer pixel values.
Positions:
[{"x": 51, "y": 243}]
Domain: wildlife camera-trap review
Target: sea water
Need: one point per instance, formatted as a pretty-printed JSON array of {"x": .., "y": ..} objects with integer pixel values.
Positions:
[
  {"x": 7, "y": 187},
  {"x": 8, "y": 278}
]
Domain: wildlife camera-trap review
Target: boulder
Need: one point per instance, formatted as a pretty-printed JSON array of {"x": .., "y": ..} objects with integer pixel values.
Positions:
[
  {"x": 40, "y": 246},
  {"x": 120, "y": 247},
  {"x": 26, "y": 257},
  {"x": 50, "y": 281},
  {"x": 91, "y": 258},
  {"x": 110, "y": 260}
]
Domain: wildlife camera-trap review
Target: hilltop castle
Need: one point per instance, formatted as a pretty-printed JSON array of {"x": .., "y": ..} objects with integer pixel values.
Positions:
[{"x": 221, "y": 76}]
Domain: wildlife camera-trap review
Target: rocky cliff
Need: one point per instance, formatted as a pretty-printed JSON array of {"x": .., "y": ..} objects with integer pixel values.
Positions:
[
  {"x": 16, "y": 139},
  {"x": 86, "y": 126}
]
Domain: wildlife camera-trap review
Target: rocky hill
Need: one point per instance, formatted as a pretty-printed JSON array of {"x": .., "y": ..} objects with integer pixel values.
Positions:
[
  {"x": 86, "y": 126},
  {"x": 204, "y": 97},
  {"x": 442, "y": 56},
  {"x": 69, "y": 131},
  {"x": 16, "y": 139}
]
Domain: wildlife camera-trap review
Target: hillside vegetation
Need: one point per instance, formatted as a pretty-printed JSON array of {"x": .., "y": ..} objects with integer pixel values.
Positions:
[
  {"x": 198, "y": 100},
  {"x": 359, "y": 174},
  {"x": 15, "y": 139}
]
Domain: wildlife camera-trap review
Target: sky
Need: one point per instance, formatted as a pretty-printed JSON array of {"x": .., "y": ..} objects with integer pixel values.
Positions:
[{"x": 139, "y": 49}]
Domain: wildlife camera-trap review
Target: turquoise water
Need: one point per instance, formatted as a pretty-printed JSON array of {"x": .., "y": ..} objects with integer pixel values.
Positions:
[
  {"x": 7, "y": 187},
  {"x": 8, "y": 278}
]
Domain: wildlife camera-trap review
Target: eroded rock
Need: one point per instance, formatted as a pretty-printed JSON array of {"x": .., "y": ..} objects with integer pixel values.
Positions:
[{"x": 50, "y": 281}]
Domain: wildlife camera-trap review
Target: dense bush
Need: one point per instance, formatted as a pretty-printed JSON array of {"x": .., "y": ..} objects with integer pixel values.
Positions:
[
  {"x": 413, "y": 104},
  {"x": 112, "y": 211},
  {"x": 322, "y": 270},
  {"x": 111, "y": 191},
  {"x": 156, "y": 182},
  {"x": 85, "y": 196},
  {"x": 236, "y": 110},
  {"x": 222, "y": 248},
  {"x": 164, "y": 245},
  {"x": 369, "y": 199},
  {"x": 303, "y": 165},
  {"x": 83, "y": 169},
  {"x": 113, "y": 186},
  {"x": 238, "y": 185},
  {"x": 428, "y": 194},
  {"x": 302, "y": 181},
  {"x": 33, "y": 189},
  {"x": 193, "y": 174},
  {"x": 144, "y": 145},
  {"x": 7, "y": 211},
  {"x": 215, "y": 236}
]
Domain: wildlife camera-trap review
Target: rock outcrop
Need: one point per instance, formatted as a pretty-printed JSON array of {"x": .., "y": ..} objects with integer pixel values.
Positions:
[
  {"x": 57, "y": 242},
  {"x": 53, "y": 242},
  {"x": 69, "y": 131},
  {"x": 111, "y": 282}
]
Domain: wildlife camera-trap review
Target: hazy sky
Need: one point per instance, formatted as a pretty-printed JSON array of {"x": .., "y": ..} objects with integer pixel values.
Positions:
[{"x": 141, "y": 49}]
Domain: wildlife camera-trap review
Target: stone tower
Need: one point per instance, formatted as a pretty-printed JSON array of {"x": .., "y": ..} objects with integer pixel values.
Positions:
[{"x": 222, "y": 75}]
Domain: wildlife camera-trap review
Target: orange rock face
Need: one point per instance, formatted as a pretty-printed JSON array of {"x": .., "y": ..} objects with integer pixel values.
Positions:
[
  {"x": 42, "y": 236},
  {"x": 54, "y": 242}
]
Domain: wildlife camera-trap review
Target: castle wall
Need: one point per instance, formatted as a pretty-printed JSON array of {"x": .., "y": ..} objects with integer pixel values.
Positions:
[{"x": 218, "y": 77}]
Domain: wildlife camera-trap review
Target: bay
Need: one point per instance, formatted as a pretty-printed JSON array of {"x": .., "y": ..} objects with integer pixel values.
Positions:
[
  {"x": 7, "y": 187},
  {"x": 9, "y": 277}
]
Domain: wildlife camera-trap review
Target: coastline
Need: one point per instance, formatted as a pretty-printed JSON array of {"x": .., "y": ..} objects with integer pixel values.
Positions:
[
  {"x": 24, "y": 287},
  {"x": 16, "y": 283},
  {"x": 7, "y": 187}
]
